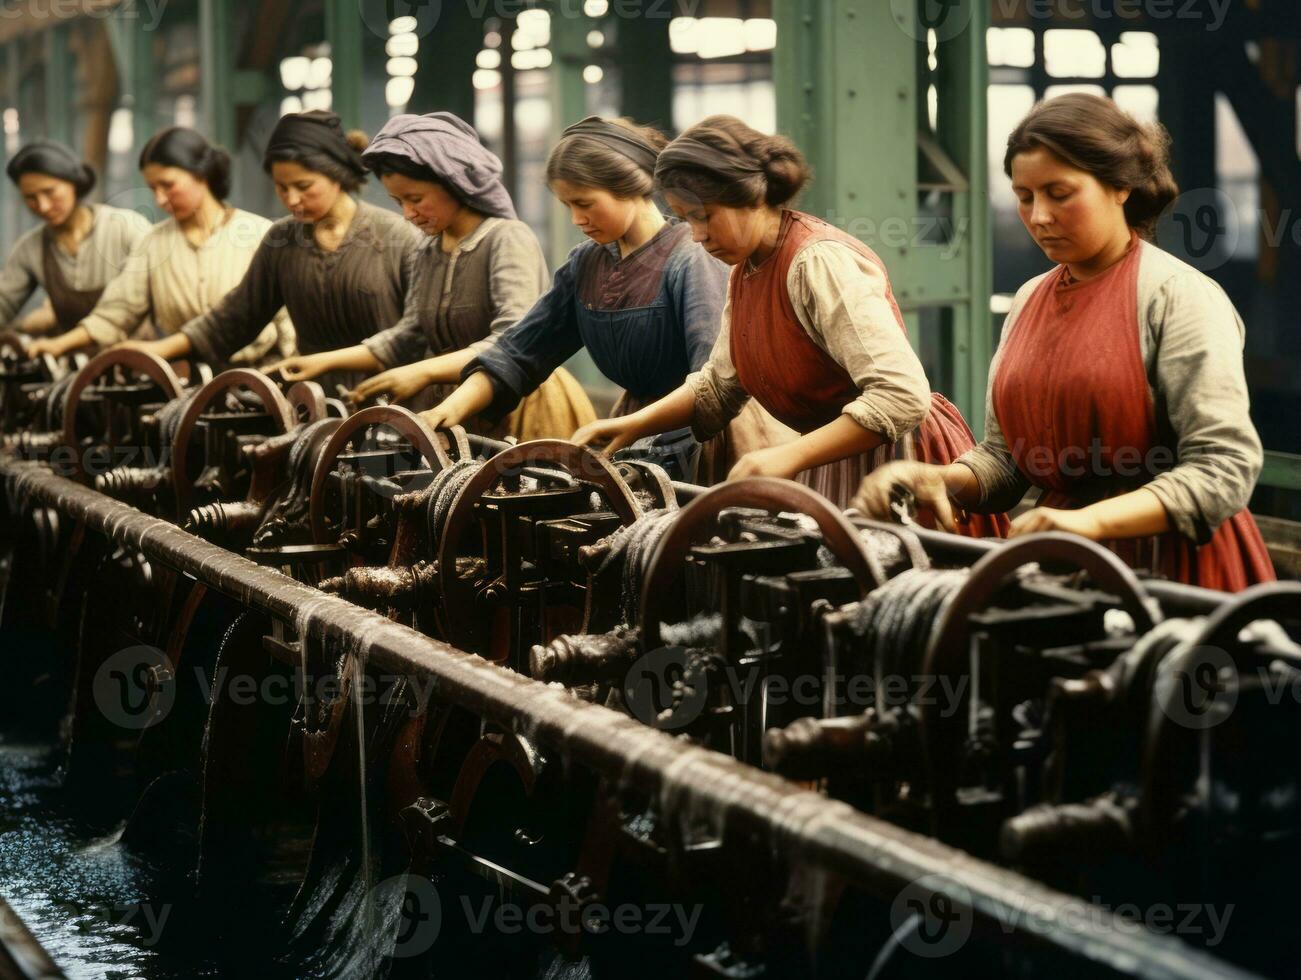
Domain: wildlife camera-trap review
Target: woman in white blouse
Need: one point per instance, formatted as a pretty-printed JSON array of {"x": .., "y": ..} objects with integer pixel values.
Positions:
[{"x": 186, "y": 263}]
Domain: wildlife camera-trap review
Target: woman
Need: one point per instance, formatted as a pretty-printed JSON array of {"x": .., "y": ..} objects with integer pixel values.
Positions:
[
  {"x": 337, "y": 264},
  {"x": 478, "y": 270},
  {"x": 185, "y": 264},
  {"x": 641, "y": 298},
  {"x": 79, "y": 248},
  {"x": 811, "y": 328},
  {"x": 1118, "y": 387}
]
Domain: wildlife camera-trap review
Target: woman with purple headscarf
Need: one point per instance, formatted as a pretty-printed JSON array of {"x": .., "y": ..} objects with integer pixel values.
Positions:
[{"x": 477, "y": 272}]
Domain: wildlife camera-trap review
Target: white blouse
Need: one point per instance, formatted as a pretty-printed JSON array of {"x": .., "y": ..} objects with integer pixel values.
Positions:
[{"x": 170, "y": 281}]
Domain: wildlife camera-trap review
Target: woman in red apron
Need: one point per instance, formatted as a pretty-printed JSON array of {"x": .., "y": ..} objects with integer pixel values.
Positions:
[
  {"x": 811, "y": 329},
  {"x": 1118, "y": 388}
]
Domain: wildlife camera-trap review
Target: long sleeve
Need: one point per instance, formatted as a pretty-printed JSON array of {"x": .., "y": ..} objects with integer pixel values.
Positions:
[
  {"x": 125, "y": 303},
  {"x": 1199, "y": 382},
  {"x": 698, "y": 286},
  {"x": 840, "y": 298},
  {"x": 18, "y": 276},
  {"x": 517, "y": 276},
  {"x": 245, "y": 310},
  {"x": 524, "y": 356},
  {"x": 717, "y": 390},
  {"x": 405, "y": 342}
]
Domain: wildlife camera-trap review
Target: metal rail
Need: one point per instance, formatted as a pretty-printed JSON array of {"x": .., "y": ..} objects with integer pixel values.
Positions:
[
  {"x": 22, "y": 957},
  {"x": 879, "y": 857}
]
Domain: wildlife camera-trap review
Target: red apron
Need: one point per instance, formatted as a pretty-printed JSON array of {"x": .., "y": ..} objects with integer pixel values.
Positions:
[
  {"x": 801, "y": 385},
  {"x": 1072, "y": 397}
]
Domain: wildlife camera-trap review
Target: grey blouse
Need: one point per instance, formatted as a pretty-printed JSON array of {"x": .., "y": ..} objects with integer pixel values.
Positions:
[
  {"x": 1191, "y": 340},
  {"x": 467, "y": 297},
  {"x": 335, "y": 299},
  {"x": 101, "y": 256}
]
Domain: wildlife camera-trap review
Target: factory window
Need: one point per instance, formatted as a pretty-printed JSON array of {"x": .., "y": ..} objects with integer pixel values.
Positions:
[
  {"x": 1140, "y": 101},
  {"x": 1136, "y": 55},
  {"x": 1011, "y": 47},
  {"x": 306, "y": 80},
  {"x": 1074, "y": 54},
  {"x": 402, "y": 47}
]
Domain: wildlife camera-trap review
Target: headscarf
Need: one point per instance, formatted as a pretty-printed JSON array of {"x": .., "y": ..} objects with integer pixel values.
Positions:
[
  {"x": 618, "y": 138},
  {"x": 55, "y": 159},
  {"x": 315, "y": 131},
  {"x": 448, "y": 147}
]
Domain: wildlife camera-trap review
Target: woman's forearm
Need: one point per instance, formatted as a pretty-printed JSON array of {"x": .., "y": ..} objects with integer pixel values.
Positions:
[
  {"x": 357, "y": 358},
  {"x": 472, "y": 397},
  {"x": 172, "y": 348},
  {"x": 1137, "y": 514},
  {"x": 447, "y": 368},
  {"x": 838, "y": 439},
  {"x": 674, "y": 411},
  {"x": 74, "y": 339}
]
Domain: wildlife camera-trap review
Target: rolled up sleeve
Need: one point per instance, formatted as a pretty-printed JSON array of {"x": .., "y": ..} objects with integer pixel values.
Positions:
[{"x": 840, "y": 298}]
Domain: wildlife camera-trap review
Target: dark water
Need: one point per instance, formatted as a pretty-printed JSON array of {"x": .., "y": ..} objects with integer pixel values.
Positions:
[{"x": 91, "y": 903}]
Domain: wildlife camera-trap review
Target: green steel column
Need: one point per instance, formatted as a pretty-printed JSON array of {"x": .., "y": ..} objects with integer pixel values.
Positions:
[
  {"x": 133, "y": 47},
  {"x": 444, "y": 80},
  {"x": 847, "y": 78},
  {"x": 217, "y": 69},
  {"x": 59, "y": 85},
  {"x": 569, "y": 55},
  {"x": 343, "y": 29},
  {"x": 963, "y": 69},
  {"x": 646, "y": 66}
]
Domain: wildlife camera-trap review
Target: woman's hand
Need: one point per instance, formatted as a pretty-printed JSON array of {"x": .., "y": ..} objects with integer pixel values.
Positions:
[
  {"x": 399, "y": 383},
  {"x": 925, "y": 482},
  {"x": 1081, "y": 522},
  {"x": 301, "y": 367},
  {"x": 54, "y": 346},
  {"x": 609, "y": 435},
  {"x": 772, "y": 461}
]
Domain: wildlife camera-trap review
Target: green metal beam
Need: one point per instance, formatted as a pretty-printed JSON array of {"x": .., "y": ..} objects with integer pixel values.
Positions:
[
  {"x": 444, "y": 78},
  {"x": 646, "y": 65},
  {"x": 1281, "y": 470},
  {"x": 217, "y": 69},
  {"x": 133, "y": 49},
  {"x": 569, "y": 55},
  {"x": 344, "y": 28},
  {"x": 59, "y": 85},
  {"x": 849, "y": 79}
]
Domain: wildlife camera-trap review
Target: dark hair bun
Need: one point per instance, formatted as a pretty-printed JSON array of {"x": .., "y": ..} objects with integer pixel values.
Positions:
[
  {"x": 784, "y": 168},
  {"x": 357, "y": 139}
]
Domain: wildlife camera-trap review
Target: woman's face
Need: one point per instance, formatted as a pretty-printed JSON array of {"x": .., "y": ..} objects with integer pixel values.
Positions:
[
  {"x": 597, "y": 213},
  {"x": 1069, "y": 213},
  {"x": 51, "y": 199},
  {"x": 176, "y": 191},
  {"x": 727, "y": 233},
  {"x": 306, "y": 194},
  {"x": 425, "y": 204}
]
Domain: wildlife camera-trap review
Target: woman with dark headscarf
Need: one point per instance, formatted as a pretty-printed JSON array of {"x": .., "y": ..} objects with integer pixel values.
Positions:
[
  {"x": 337, "y": 264},
  {"x": 478, "y": 270},
  {"x": 186, "y": 263},
  {"x": 79, "y": 248},
  {"x": 811, "y": 330},
  {"x": 641, "y": 298}
]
